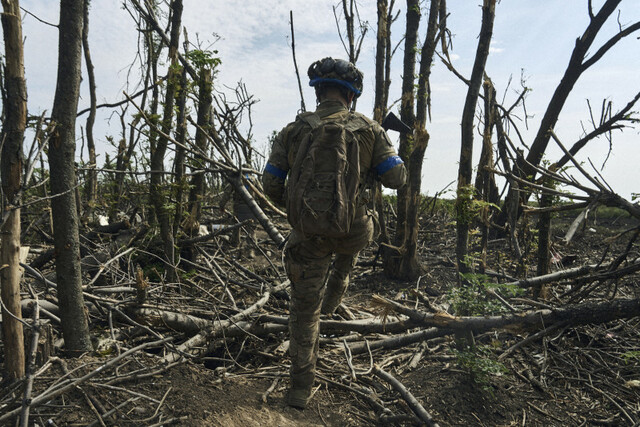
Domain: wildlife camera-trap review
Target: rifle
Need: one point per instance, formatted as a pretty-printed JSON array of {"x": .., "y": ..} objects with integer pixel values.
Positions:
[{"x": 392, "y": 122}]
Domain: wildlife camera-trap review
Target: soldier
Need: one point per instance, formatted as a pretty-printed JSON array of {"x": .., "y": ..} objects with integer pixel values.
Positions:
[{"x": 308, "y": 257}]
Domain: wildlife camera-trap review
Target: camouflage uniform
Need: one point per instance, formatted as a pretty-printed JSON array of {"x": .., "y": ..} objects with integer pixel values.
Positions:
[{"x": 308, "y": 259}]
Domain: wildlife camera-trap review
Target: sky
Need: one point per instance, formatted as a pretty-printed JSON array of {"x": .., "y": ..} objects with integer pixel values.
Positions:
[{"x": 532, "y": 39}]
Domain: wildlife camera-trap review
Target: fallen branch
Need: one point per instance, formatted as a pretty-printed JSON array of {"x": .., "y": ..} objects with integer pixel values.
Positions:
[
  {"x": 194, "y": 345},
  {"x": 413, "y": 403},
  {"x": 398, "y": 341},
  {"x": 571, "y": 273},
  {"x": 37, "y": 275},
  {"x": 224, "y": 230},
  {"x": 176, "y": 321},
  {"x": 48, "y": 396},
  {"x": 26, "y": 401},
  {"x": 362, "y": 326},
  {"x": 583, "y": 314}
]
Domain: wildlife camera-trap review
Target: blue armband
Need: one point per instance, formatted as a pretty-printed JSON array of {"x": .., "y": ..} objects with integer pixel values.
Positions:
[
  {"x": 275, "y": 171},
  {"x": 388, "y": 164}
]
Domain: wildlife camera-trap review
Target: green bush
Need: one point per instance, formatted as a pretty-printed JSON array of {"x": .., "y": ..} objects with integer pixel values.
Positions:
[{"x": 480, "y": 364}]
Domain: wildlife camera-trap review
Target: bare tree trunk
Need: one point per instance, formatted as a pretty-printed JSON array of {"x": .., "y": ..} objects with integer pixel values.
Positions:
[
  {"x": 411, "y": 269},
  {"x": 379, "y": 107},
  {"x": 348, "y": 17},
  {"x": 75, "y": 327},
  {"x": 153, "y": 52},
  {"x": 205, "y": 100},
  {"x": 388, "y": 54},
  {"x": 406, "y": 264},
  {"x": 157, "y": 189},
  {"x": 11, "y": 170},
  {"x": 91, "y": 188},
  {"x": 380, "y": 104},
  {"x": 544, "y": 239},
  {"x": 465, "y": 170},
  {"x": 578, "y": 63},
  {"x": 406, "y": 108},
  {"x": 125, "y": 151},
  {"x": 485, "y": 183},
  {"x": 179, "y": 160}
]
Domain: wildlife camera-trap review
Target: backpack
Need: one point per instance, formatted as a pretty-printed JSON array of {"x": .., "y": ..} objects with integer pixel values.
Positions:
[{"x": 324, "y": 183}]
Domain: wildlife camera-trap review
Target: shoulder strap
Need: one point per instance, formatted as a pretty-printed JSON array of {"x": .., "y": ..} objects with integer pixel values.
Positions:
[
  {"x": 356, "y": 123},
  {"x": 312, "y": 119}
]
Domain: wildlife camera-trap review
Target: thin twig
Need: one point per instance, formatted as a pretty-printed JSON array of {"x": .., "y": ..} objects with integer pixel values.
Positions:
[{"x": 295, "y": 62}]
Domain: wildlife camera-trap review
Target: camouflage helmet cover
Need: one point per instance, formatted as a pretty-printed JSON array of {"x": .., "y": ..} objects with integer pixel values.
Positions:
[{"x": 336, "y": 71}]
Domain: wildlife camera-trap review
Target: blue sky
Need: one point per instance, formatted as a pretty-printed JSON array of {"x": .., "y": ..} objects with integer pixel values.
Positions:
[{"x": 531, "y": 37}]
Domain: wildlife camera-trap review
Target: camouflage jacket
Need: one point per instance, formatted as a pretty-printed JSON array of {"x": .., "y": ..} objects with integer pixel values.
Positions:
[{"x": 377, "y": 155}]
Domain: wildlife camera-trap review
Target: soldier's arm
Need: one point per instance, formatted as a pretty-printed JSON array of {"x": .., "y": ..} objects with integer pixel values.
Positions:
[
  {"x": 388, "y": 166},
  {"x": 276, "y": 170}
]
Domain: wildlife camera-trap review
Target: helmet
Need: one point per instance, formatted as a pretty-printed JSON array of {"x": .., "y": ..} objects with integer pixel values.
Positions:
[{"x": 336, "y": 71}]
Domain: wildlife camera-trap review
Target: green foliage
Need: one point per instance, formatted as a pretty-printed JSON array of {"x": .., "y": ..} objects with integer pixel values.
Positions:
[
  {"x": 204, "y": 58},
  {"x": 632, "y": 356},
  {"x": 610, "y": 212},
  {"x": 189, "y": 274},
  {"x": 475, "y": 298},
  {"x": 175, "y": 71},
  {"x": 468, "y": 207},
  {"x": 439, "y": 205},
  {"x": 390, "y": 199},
  {"x": 479, "y": 362},
  {"x": 152, "y": 271}
]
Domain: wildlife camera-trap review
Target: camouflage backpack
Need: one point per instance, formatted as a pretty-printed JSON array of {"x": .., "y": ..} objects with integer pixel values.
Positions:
[{"x": 324, "y": 183}]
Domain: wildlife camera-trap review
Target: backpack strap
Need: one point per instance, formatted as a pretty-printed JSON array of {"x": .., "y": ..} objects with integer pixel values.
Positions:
[
  {"x": 356, "y": 123},
  {"x": 312, "y": 119}
]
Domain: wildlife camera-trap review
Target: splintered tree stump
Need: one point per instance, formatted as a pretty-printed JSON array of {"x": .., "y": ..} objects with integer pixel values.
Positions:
[{"x": 45, "y": 343}]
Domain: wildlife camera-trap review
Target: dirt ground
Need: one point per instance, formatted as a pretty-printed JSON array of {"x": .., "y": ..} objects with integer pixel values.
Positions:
[{"x": 572, "y": 377}]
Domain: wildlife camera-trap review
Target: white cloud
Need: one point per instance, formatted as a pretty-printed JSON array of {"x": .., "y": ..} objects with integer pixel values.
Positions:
[{"x": 255, "y": 48}]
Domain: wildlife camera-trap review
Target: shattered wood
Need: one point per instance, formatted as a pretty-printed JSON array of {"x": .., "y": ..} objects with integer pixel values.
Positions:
[{"x": 221, "y": 330}]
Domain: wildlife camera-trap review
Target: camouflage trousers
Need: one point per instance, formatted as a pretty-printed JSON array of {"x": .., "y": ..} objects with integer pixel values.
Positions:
[{"x": 307, "y": 262}]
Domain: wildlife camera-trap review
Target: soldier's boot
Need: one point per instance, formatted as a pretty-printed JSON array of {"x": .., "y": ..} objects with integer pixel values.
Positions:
[
  {"x": 299, "y": 397},
  {"x": 303, "y": 348}
]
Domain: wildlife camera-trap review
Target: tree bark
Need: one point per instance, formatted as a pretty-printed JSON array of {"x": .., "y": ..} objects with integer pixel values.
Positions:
[
  {"x": 157, "y": 189},
  {"x": 380, "y": 101},
  {"x": 406, "y": 108},
  {"x": 577, "y": 65},
  {"x": 572, "y": 74},
  {"x": 75, "y": 327},
  {"x": 465, "y": 168},
  {"x": 412, "y": 402},
  {"x": 410, "y": 267},
  {"x": 583, "y": 314},
  {"x": 379, "y": 106},
  {"x": 205, "y": 99},
  {"x": 485, "y": 181},
  {"x": 179, "y": 160},
  {"x": 11, "y": 169},
  {"x": 91, "y": 188},
  {"x": 544, "y": 238}
]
